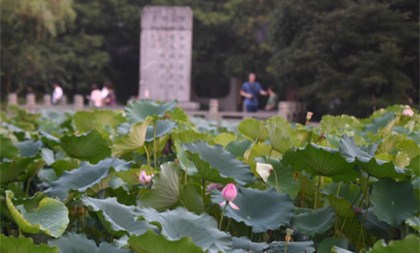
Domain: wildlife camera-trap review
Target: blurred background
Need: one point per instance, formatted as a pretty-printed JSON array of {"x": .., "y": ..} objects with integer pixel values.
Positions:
[{"x": 337, "y": 56}]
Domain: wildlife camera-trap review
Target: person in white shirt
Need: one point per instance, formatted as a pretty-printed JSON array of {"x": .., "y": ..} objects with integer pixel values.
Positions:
[
  {"x": 57, "y": 93},
  {"x": 105, "y": 92},
  {"x": 96, "y": 98}
]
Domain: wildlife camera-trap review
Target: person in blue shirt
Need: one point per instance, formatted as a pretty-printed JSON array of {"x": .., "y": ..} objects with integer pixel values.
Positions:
[{"x": 250, "y": 90}]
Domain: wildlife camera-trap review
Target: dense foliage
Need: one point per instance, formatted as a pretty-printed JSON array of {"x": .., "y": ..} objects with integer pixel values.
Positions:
[
  {"x": 328, "y": 53},
  {"x": 151, "y": 179}
]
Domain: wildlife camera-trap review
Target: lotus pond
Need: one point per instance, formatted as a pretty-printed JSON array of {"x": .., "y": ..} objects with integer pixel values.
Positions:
[{"x": 151, "y": 179}]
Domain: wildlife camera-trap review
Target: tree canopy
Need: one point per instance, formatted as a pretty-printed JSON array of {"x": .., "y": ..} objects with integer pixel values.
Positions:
[{"x": 335, "y": 55}]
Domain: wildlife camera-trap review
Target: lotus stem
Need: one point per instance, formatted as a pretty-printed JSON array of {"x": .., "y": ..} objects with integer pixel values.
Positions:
[
  {"x": 155, "y": 144},
  {"x": 221, "y": 218},
  {"x": 317, "y": 191}
]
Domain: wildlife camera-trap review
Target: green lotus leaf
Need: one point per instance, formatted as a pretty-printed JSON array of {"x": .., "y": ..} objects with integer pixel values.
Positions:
[
  {"x": 48, "y": 156},
  {"x": 117, "y": 218},
  {"x": 12, "y": 169},
  {"x": 86, "y": 177},
  {"x": 378, "y": 122},
  {"x": 292, "y": 247},
  {"x": 342, "y": 197},
  {"x": 23, "y": 245},
  {"x": 8, "y": 150},
  {"x": 85, "y": 121},
  {"x": 222, "y": 160},
  {"x": 393, "y": 202},
  {"x": 238, "y": 148},
  {"x": 378, "y": 228},
  {"x": 150, "y": 242},
  {"x": 247, "y": 245},
  {"x": 253, "y": 129},
  {"x": 133, "y": 140},
  {"x": 66, "y": 164},
  {"x": 328, "y": 243},
  {"x": 180, "y": 223},
  {"x": 72, "y": 243},
  {"x": 189, "y": 136},
  {"x": 165, "y": 190},
  {"x": 262, "y": 210},
  {"x": 29, "y": 148},
  {"x": 162, "y": 127},
  {"x": 367, "y": 162},
  {"x": 139, "y": 110},
  {"x": 323, "y": 161},
  {"x": 415, "y": 166},
  {"x": 283, "y": 179},
  {"x": 311, "y": 222},
  {"x": 89, "y": 146},
  {"x": 191, "y": 198},
  {"x": 49, "y": 216},
  {"x": 336, "y": 249},
  {"x": 205, "y": 171},
  {"x": 339, "y": 124},
  {"x": 280, "y": 134},
  {"x": 408, "y": 244},
  {"x": 413, "y": 222},
  {"x": 223, "y": 139}
]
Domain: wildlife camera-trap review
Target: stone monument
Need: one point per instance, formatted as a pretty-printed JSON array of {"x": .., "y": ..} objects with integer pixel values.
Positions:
[{"x": 165, "y": 54}]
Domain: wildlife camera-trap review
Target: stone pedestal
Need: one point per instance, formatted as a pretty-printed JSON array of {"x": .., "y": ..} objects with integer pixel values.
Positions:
[
  {"x": 47, "y": 100},
  {"x": 12, "y": 99},
  {"x": 78, "y": 102},
  {"x": 30, "y": 101},
  {"x": 165, "y": 53}
]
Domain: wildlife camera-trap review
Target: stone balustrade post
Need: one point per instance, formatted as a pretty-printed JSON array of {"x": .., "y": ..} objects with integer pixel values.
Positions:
[
  {"x": 214, "y": 109},
  {"x": 12, "y": 99},
  {"x": 47, "y": 100},
  {"x": 30, "y": 101},
  {"x": 78, "y": 102}
]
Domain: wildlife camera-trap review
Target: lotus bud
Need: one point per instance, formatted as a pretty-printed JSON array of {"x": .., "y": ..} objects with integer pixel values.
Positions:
[
  {"x": 408, "y": 112},
  {"x": 264, "y": 170},
  {"x": 144, "y": 178},
  {"x": 288, "y": 236},
  {"x": 214, "y": 186},
  {"x": 229, "y": 193}
]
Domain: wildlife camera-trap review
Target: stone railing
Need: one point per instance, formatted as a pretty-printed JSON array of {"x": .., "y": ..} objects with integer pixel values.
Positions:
[{"x": 292, "y": 111}]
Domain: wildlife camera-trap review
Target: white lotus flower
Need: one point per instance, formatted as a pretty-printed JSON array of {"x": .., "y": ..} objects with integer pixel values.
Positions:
[{"x": 264, "y": 170}]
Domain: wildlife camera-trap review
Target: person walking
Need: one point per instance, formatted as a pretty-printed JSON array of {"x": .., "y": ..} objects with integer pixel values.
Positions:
[
  {"x": 272, "y": 99},
  {"x": 57, "y": 94},
  {"x": 250, "y": 90},
  {"x": 96, "y": 98}
]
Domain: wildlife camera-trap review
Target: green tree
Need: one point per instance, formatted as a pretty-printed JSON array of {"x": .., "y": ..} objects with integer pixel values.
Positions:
[{"x": 346, "y": 56}]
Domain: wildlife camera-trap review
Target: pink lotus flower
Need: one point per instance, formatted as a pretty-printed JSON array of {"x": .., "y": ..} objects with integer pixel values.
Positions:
[
  {"x": 408, "y": 112},
  {"x": 229, "y": 193},
  {"x": 144, "y": 178}
]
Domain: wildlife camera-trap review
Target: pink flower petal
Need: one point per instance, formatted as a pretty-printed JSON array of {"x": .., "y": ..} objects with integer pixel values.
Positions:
[
  {"x": 233, "y": 206},
  {"x": 229, "y": 192},
  {"x": 222, "y": 204}
]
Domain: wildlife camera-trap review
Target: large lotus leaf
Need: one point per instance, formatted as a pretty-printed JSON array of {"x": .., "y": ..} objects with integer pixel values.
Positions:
[
  {"x": 49, "y": 216},
  {"x": 8, "y": 150},
  {"x": 238, "y": 148},
  {"x": 89, "y": 146},
  {"x": 162, "y": 127},
  {"x": 12, "y": 169},
  {"x": 204, "y": 171},
  {"x": 339, "y": 124},
  {"x": 367, "y": 162},
  {"x": 413, "y": 222},
  {"x": 29, "y": 148},
  {"x": 292, "y": 247},
  {"x": 150, "y": 242},
  {"x": 85, "y": 121},
  {"x": 247, "y": 245},
  {"x": 253, "y": 129},
  {"x": 78, "y": 243},
  {"x": 409, "y": 244},
  {"x": 415, "y": 166},
  {"x": 117, "y": 218},
  {"x": 393, "y": 201},
  {"x": 283, "y": 179},
  {"x": 133, "y": 140},
  {"x": 165, "y": 191},
  {"x": 23, "y": 245},
  {"x": 190, "y": 135},
  {"x": 191, "y": 198},
  {"x": 317, "y": 160},
  {"x": 280, "y": 134},
  {"x": 222, "y": 160},
  {"x": 262, "y": 210},
  {"x": 379, "y": 122},
  {"x": 342, "y": 197},
  {"x": 328, "y": 243},
  {"x": 311, "y": 222},
  {"x": 180, "y": 223},
  {"x": 94, "y": 177},
  {"x": 223, "y": 139},
  {"x": 60, "y": 166},
  {"x": 378, "y": 228},
  {"x": 138, "y": 111},
  {"x": 48, "y": 156}
]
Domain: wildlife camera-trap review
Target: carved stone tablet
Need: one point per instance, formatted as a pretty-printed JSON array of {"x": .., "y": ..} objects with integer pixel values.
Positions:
[{"x": 165, "y": 53}]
